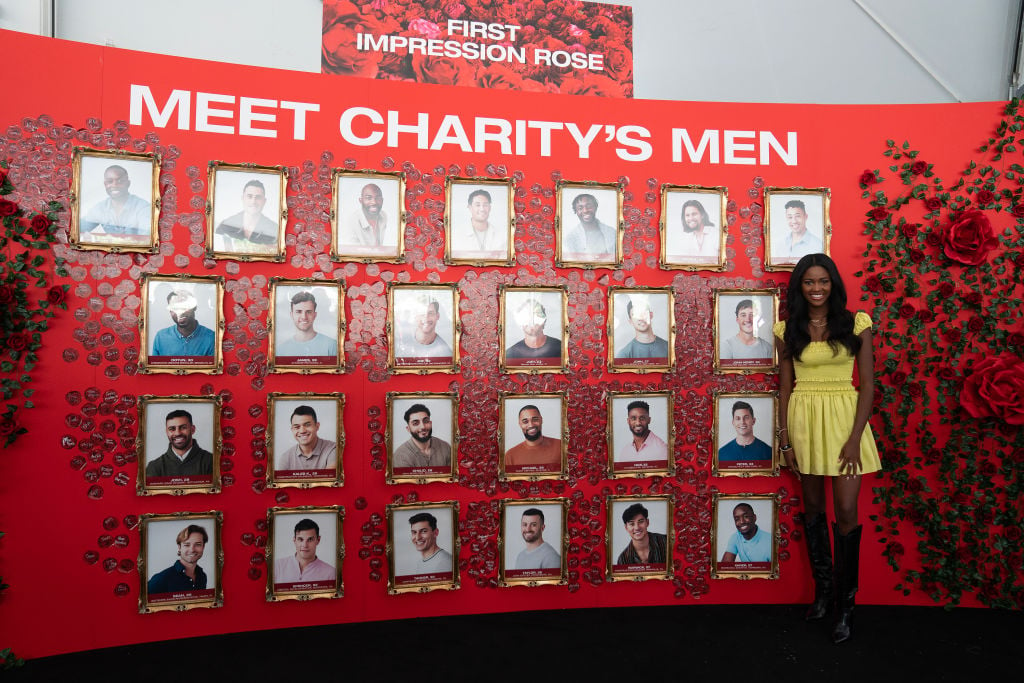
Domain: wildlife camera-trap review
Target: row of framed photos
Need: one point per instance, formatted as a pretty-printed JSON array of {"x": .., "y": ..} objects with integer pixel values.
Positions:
[
  {"x": 116, "y": 207},
  {"x": 182, "y": 557},
  {"x": 182, "y": 321},
  {"x": 179, "y": 444}
]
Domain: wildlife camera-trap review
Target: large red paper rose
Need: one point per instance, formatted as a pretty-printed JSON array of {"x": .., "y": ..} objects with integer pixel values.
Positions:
[
  {"x": 995, "y": 388},
  {"x": 969, "y": 238}
]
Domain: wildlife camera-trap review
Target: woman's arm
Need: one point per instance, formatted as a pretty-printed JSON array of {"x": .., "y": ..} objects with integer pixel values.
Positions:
[
  {"x": 786, "y": 381},
  {"x": 849, "y": 455}
]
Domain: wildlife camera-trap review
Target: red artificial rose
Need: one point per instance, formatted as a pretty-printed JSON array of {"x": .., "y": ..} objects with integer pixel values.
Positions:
[
  {"x": 17, "y": 341},
  {"x": 3, "y": 175},
  {"x": 925, "y": 316},
  {"x": 1018, "y": 260},
  {"x": 995, "y": 388},
  {"x": 933, "y": 456},
  {"x": 933, "y": 239},
  {"x": 342, "y": 20},
  {"x": 946, "y": 289},
  {"x": 1015, "y": 339},
  {"x": 919, "y": 167},
  {"x": 914, "y": 485},
  {"x": 969, "y": 238},
  {"x": 907, "y": 311},
  {"x": 868, "y": 177},
  {"x": 6, "y": 294},
  {"x": 898, "y": 377},
  {"x": 1018, "y": 210},
  {"x": 973, "y": 298},
  {"x": 914, "y": 390},
  {"x": 909, "y": 230},
  {"x": 984, "y": 197},
  {"x": 1012, "y": 532},
  {"x": 895, "y": 548},
  {"x": 7, "y": 426},
  {"x": 933, "y": 203},
  {"x": 1017, "y": 455},
  {"x": 879, "y": 213},
  {"x": 975, "y": 324},
  {"x": 987, "y": 469},
  {"x": 55, "y": 295},
  {"x": 873, "y": 284},
  {"x": 946, "y": 373},
  {"x": 916, "y": 255},
  {"x": 7, "y": 207},
  {"x": 618, "y": 63},
  {"x": 952, "y": 335},
  {"x": 40, "y": 224}
]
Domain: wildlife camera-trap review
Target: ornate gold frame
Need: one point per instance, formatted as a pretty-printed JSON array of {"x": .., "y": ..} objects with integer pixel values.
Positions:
[
  {"x": 396, "y": 256},
  {"x": 717, "y": 571},
  {"x": 281, "y": 173},
  {"x": 730, "y": 365},
  {"x": 612, "y": 554},
  {"x": 304, "y": 483},
  {"x": 716, "y": 468},
  {"x": 338, "y": 590},
  {"x": 185, "y": 603},
  {"x": 394, "y": 423},
  {"x": 213, "y": 368},
  {"x": 143, "y": 488},
  {"x": 722, "y": 194},
  {"x": 561, "y": 260},
  {"x": 510, "y": 189},
  {"x": 616, "y": 419},
  {"x": 563, "y": 435},
  {"x": 563, "y": 330},
  {"x": 538, "y": 578},
  {"x": 75, "y": 200},
  {"x": 338, "y": 366},
  {"x": 638, "y": 365},
  {"x": 454, "y": 544},
  {"x": 826, "y": 228},
  {"x": 450, "y": 291}
]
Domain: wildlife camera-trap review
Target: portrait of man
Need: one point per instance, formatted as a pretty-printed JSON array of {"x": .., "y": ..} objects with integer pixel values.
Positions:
[
  {"x": 645, "y": 548},
  {"x": 304, "y": 566},
  {"x": 588, "y": 238},
  {"x": 419, "y": 334},
  {"x": 796, "y": 224},
  {"x": 745, "y": 343},
  {"x": 296, "y": 338},
  {"x": 645, "y": 347},
  {"x": 310, "y": 452},
  {"x": 423, "y": 547},
  {"x": 538, "y": 553},
  {"x": 642, "y": 445},
  {"x": 306, "y": 439},
  {"x": 480, "y": 230},
  {"x": 746, "y": 447},
  {"x": 185, "y": 575},
  {"x": 749, "y": 543},
  {"x": 246, "y": 217},
  {"x": 422, "y": 450},
  {"x": 186, "y": 338},
  {"x": 535, "y": 453},
  {"x": 119, "y": 215},
  {"x": 184, "y": 460},
  {"x": 743, "y": 318},
  {"x": 693, "y": 235},
  {"x": 429, "y": 557},
  {"x": 525, "y": 312}
]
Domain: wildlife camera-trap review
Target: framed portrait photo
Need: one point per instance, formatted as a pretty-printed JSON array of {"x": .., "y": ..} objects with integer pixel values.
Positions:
[
  {"x": 693, "y": 227},
  {"x": 641, "y": 329},
  {"x": 423, "y": 328},
  {"x": 533, "y": 327},
  {"x": 305, "y": 550},
  {"x": 532, "y": 540},
  {"x": 588, "y": 224},
  {"x": 745, "y": 536},
  {"x": 743, "y": 338},
  {"x": 368, "y": 216},
  {"x": 246, "y": 212},
  {"x": 305, "y": 439},
  {"x": 479, "y": 221},
  {"x": 178, "y": 445},
  {"x": 181, "y": 558},
  {"x": 422, "y": 437},
  {"x": 641, "y": 434},
  {"x": 182, "y": 324},
  {"x": 796, "y": 223},
  {"x": 307, "y": 326},
  {"x": 639, "y": 538},
  {"x": 423, "y": 546},
  {"x": 115, "y": 201},
  {"x": 532, "y": 436},
  {"x": 744, "y": 436}
]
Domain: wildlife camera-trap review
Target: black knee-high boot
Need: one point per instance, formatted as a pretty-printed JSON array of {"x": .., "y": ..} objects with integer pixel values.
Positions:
[
  {"x": 820, "y": 552},
  {"x": 847, "y": 566}
]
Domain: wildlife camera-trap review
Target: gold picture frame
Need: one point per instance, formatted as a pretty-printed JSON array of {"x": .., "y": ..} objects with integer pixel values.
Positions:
[
  {"x": 656, "y": 455},
  {"x": 637, "y": 319},
  {"x": 745, "y": 415},
  {"x": 305, "y": 526},
  {"x": 780, "y": 251},
  {"x": 303, "y": 417},
  {"x": 527, "y": 308},
  {"x": 413, "y": 308},
  {"x": 181, "y": 417},
  {"x": 724, "y": 527},
  {"x": 423, "y": 415},
  {"x": 544, "y": 563},
  {"x": 439, "y": 571},
  {"x": 743, "y": 338},
  {"x": 105, "y": 214},
  {"x": 232, "y": 235},
  {"x": 572, "y": 247},
  {"x": 169, "y": 589},
  {"x": 356, "y": 196},
  {"x": 627, "y": 564},
  {"x": 304, "y": 299},
  {"x": 522, "y": 456},
  {"x": 693, "y": 227},
  {"x": 469, "y": 201},
  {"x": 193, "y": 305}
]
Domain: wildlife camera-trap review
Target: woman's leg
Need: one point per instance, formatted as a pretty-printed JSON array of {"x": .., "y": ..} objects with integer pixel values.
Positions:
[
  {"x": 845, "y": 490},
  {"x": 819, "y": 550}
]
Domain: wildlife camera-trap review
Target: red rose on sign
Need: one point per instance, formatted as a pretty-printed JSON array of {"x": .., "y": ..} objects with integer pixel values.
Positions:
[
  {"x": 442, "y": 70},
  {"x": 342, "y": 20},
  {"x": 17, "y": 341},
  {"x": 7, "y": 426},
  {"x": 984, "y": 197},
  {"x": 879, "y": 213},
  {"x": 925, "y": 316},
  {"x": 969, "y": 238},
  {"x": 907, "y": 311},
  {"x": 8, "y": 208},
  {"x": 40, "y": 224},
  {"x": 55, "y": 295},
  {"x": 919, "y": 167},
  {"x": 933, "y": 203},
  {"x": 594, "y": 84},
  {"x": 873, "y": 284},
  {"x": 975, "y": 324},
  {"x": 946, "y": 289},
  {"x": 868, "y": 177},
  {"x": 909, "y": 230},
  {"x": 618, "y": 63},
  {"x": 1018, "y": 210},
  {"x": 995, "y": 388}
]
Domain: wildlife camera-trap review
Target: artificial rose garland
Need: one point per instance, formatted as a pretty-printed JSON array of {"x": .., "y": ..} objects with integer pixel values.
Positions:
[{"x": 969, "y": 238}]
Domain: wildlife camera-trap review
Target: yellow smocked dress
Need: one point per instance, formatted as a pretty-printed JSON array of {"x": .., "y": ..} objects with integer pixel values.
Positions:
[{"x": 823, "y": 407}]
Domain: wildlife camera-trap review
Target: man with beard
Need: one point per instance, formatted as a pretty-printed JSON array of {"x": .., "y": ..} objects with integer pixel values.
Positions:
[
  {"x": 479, "y": 237},
  {"x": 800, "y": 241},
  {"x": 304, "y": 565},
  {"x": 645, "y": 547},
  {"x": 745, "y": 344},
  {"x": 698, "y": 240},
  {"x": 248, "y": 231},
  {"x": 186, "y": 337},
  {"x": 645, "y": 344},
  {"x": 644, "y": 445},
  {"x": 184, "y": 457},
  {"x": 748, "y": 544},
  {"x": 306, "y": 342},
  {"x": 185, "y": 574},
  {"x": 745, "y": 446},
  {"x": 537, "y": 449},
  {"x": 590, "y": 239},
  {"x": 425, "y": 342},
  {"x": 310, "y": 452},
  {"x": 367, "y": 226},
  {"x": 121, "y": 214},
  {"x": 423, "y": 449},
  {"x": 432, "y": 559},
  {"x": 531, "y": 316},
  {"x": 538, "y": 553}
]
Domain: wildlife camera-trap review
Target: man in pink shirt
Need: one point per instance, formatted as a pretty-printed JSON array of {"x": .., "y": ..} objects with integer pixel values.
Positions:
[{"x": 304, "y": 566}]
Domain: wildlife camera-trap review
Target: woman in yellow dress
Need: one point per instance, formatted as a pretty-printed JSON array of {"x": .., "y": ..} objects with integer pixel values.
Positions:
[{"x": 823, "y": 424}]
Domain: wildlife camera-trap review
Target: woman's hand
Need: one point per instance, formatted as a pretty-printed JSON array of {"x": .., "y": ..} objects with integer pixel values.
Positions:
[
  {"x": 790, "y": 455},
  {"x": 849, "y": 458}
]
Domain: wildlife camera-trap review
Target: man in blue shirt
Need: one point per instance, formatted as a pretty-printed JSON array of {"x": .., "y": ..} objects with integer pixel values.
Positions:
[
  {"x": 186, "y": 337},
  {"x": 748, "y": 544},
  {"x": 306, "y": 342},
  {"x": 745, "y": 447}
]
